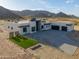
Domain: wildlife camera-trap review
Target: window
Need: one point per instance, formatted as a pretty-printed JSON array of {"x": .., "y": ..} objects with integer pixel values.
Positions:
[
  {"x": 11, "y": 28},
  {"x": 42, "y": 26},
  {"x": 24, "y": 29},
  {"x": 33, "y": 28}
]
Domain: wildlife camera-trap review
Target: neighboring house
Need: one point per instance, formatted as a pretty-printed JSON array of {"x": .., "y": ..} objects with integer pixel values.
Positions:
[{"x": 35, "y": 25}]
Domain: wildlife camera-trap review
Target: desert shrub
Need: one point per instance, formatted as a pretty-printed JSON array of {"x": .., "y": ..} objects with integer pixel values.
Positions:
[
  {"x": 16, "y": 39},
  {"x": 22, "y": 37}
]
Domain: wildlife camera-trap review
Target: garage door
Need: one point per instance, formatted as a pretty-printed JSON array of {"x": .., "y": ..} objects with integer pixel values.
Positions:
[
  {"x": 64, "y": 28},
  {"x": 55, "y": 27}
]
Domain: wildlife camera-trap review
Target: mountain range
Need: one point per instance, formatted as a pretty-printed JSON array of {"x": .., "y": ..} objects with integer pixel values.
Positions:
[
  {"x": 7, "y": 14},
  {"x": 42, "y": 13},
  {"x": 12, "y": 14}
]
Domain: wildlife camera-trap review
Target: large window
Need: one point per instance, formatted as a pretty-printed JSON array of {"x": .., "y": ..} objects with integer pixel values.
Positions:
[
  {"x": 42, "y": 27},
  {"x": 33, "y": 29},
  {"x": 24, "y": 29}
]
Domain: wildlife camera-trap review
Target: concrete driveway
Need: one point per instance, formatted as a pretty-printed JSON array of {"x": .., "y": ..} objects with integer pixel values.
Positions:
[{"x": 57, "y": 39}]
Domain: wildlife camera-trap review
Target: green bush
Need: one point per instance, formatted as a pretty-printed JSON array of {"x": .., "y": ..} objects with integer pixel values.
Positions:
[
  {"x": 16, "y": 39},
  {"x": 22, "y": 37}
]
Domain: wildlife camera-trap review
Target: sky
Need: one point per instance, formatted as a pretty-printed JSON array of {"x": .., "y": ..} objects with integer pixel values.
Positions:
[{"x": 55, "y": 6}]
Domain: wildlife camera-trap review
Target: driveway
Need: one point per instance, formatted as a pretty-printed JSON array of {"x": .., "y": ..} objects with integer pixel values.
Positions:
[{"x": 57, "y": 39}]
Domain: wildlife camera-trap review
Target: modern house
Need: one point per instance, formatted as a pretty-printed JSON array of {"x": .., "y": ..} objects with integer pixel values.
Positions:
[{"x": 35, "y": 25}]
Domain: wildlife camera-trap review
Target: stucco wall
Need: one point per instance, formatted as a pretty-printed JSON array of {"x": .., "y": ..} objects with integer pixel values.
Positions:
[
  {"x": 11, "y": 27},
  {"x": 32, "y": 24}
]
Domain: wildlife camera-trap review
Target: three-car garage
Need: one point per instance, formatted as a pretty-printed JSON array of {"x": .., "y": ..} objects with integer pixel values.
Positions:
[
  {"x": 56, "y": 27},
  {"x": 63, "y": 26}
]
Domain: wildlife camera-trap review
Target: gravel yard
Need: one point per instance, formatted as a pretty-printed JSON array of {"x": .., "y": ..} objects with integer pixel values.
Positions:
[
  {"x": 9, "y": 50},
  {"x": 47, "y": 52}
]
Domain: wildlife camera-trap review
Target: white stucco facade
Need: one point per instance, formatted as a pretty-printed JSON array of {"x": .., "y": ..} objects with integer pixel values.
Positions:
[
  {"x": 26, "y": 27},
  {"x": 11, "y": 27},
  {"x": 32, "y": 24},
  {"x": 45, "y": 25},
  {"x": 14, "y": 27}
]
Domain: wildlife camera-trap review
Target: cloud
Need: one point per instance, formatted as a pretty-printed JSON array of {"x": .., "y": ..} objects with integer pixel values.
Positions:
[
  {"x": 3, "y": 2},
  {"x": 69, "y": 1},
  {"x": 76, "y": 6},
  {"x": 43, "y": 3}
]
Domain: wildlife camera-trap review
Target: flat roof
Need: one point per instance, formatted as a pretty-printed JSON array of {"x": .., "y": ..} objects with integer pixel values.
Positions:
[
  {"x": 66, "y": 22},
  {"x": 24, "y": 21}
]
